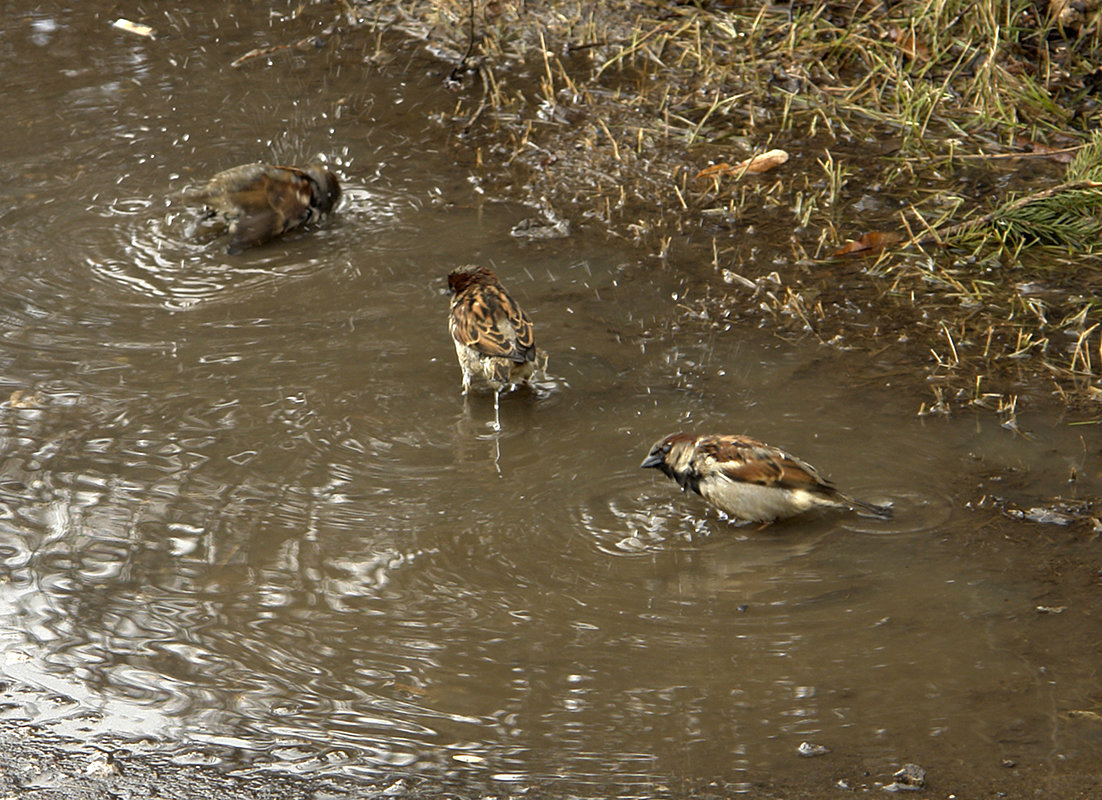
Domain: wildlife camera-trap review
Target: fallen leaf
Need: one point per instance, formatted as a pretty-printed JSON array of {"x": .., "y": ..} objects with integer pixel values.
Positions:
[
  {"x": 133, "y": 27},
  {"x": 910, "y": 45},
  {"x": 762, "y": 162},
  {"x": 1061, "y": 155},
  {"x": 714, "y": 171},
  {"x": 870, "y": 243}
]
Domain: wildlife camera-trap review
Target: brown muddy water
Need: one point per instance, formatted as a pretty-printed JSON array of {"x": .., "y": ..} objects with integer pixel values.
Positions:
[{"x": 249, "y": 519}]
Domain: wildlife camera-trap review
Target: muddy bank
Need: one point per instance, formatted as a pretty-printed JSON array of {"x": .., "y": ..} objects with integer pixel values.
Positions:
[
  {"x": 35, "y": 763},
  {"x": 618, "y": 116}
]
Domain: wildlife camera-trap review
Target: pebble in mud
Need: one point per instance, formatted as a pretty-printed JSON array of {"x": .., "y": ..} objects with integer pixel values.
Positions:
[
  {"x": 909, "y": 778},
  {"x": 809, "y": 750}
]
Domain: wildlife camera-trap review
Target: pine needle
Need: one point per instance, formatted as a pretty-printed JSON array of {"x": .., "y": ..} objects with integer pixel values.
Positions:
[{"x": 1067, "y": 215}]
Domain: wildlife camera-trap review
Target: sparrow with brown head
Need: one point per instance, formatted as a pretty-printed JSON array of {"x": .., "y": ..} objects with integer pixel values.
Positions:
[
  {"x": 749, "y": 480},
  {"x": 493, "y": 336}
]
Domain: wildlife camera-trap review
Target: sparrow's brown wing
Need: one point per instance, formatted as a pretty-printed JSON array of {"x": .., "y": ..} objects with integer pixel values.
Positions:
[
  {"x": 487, "y": 319},
  {"x": 238, "y": 186},
  {"x": 263, "y": 201},
  {"x": 747, "y": 460},
  {"x": 253, "y": 227}
]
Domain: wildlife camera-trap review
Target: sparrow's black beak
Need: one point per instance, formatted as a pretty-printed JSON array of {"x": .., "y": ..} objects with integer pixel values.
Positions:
[{"x": 653, "y": 460}]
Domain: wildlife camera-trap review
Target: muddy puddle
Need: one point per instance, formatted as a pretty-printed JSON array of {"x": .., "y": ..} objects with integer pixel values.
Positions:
[{"x": 249, "y": 519}]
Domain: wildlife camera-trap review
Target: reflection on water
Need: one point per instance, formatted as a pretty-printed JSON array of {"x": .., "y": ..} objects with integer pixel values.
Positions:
[{"x": 244, "y": 507}]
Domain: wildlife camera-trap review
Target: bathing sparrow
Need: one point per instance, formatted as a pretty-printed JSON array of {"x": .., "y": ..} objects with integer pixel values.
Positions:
[
  {"x": 492, "y": 335},
  {"x": 749, "y": 480},
  {"x": 259, "y": 202}
]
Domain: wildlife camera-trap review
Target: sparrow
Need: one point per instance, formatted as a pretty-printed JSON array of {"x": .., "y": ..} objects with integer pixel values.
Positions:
[
  {"x": 259, "y": 202},
  {"x": 492, "y": 334},
  {"x": 749, "y": 480}
]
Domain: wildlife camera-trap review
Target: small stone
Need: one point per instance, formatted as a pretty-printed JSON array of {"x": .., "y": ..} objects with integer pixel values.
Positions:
[
  {"x": 809, "y": 750},
  {"x": 912, "y": 774},
  {"x": 910, "y": 778}
]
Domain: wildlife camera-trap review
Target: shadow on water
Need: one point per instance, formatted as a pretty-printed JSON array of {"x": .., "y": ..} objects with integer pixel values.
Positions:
[{"x": 247, "y": 514}]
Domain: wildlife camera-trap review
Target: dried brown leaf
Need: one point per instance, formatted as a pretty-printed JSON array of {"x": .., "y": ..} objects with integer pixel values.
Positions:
[
  {"x": 870, "y": 244},
  {"x": 762, "y": 162},
  {"x": 910, "y": 45},
  {"x": 1061, "y": 155},
  {"x": 716, "y": 170}
]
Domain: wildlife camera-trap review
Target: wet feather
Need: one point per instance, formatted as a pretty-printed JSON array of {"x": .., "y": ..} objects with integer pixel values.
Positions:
[
  {"x": 749, "y": 479},
  {"x": 258, "y": 202},
  {"x": 493, "y": 336}
]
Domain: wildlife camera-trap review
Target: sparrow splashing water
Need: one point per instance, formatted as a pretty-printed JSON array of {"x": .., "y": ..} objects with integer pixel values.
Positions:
[
  {"x": 258, "y": 202},
  {"x": 749, "y": 480}
]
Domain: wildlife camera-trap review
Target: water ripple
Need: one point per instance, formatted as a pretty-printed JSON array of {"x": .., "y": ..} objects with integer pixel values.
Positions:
[{"x": 167, "y": 255}]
